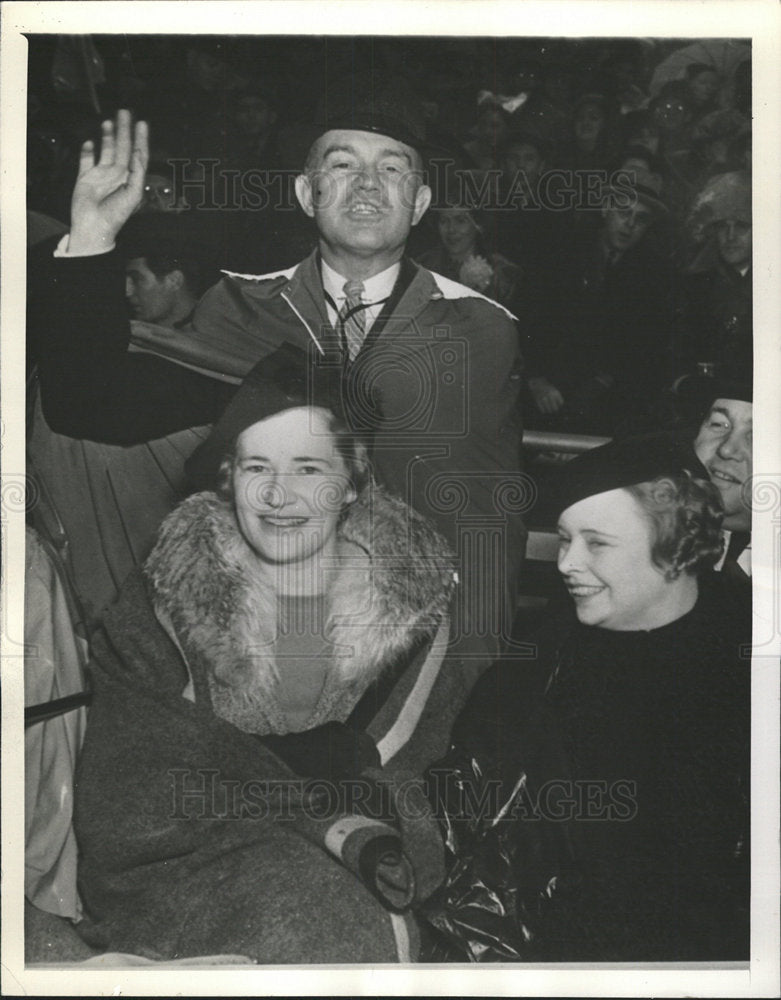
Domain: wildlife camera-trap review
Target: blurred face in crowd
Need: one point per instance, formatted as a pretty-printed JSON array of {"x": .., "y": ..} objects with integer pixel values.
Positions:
[
  {"x": 458, "y": 232},
  {"x": 723, "y": 445},
  {"x": 704, "y": 86},
  {"x": 254, "y": 116},
  {"x": 589, "y": 122},
  {"x": 159, "y": 195},
  {"x": 208, "y": 71},
  {"x": 734, "y": 240},
  {"x": 605, "y": 545},
  {"x": 523, "y": 158},
  {"x": 365, "y": 192},
  {"x": 290, "y": 485},
  {"x": 491, "y": 126},
  {"x": 153, "y": 299},
  {"x": 625, "y": 227},
  {"x": 671, "y": 114}
]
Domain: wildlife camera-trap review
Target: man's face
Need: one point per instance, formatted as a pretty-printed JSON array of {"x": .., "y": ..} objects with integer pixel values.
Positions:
[
  {"x": 723, "y": 445},
  {"x": 625, "y": 227},
  {"x": 365, "y": 193},
  {"x": 151, "y": 299},
  {"x": 734, "y": 239}
]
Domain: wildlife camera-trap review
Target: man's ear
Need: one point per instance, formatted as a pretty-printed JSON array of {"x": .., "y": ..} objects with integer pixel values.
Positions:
[
  {"x": 305, "y": 195},
  {"x": 174, "y": 280},
  {"x": 422, "y": 202}
]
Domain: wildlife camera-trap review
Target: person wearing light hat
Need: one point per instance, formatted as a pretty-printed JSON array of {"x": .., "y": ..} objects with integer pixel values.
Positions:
[
  {"x": 287, "y": 631},
  {"x": 620, "y": 752},
  {"x": 716, "y": 325},
  {"x": 436, "y": 364}
]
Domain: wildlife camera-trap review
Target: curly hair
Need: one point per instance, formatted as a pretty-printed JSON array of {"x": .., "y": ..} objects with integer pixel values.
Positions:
[
  {"x": 685, "y": 514},
  {"x": 348, "y": 444}
]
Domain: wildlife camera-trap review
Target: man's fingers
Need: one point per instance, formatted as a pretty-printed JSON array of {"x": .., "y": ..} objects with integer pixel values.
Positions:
[
  {"x": 139, "y": 160},
  {"x": 141, "y": 143},
  {"x": 123, "y": 140},
  {"x": 107, "y": 144},
  {"x": 87, "y": 157}
]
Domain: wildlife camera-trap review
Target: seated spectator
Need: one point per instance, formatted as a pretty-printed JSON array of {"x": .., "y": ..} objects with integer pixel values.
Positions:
[
  {"x": 672, "y": 113},
  {"x": 716, "y": 323},
  {"x": 166, "y": 272},
  {"x": 112, "y": 490},
  {"x": 530, "y": 224},
  {"x": 612, "y": 771},
  {"x": 464, "y": 254},
  {"x": 253, "y": 116},
  {"x": 289, "y": 627},
  {"x": 602, "y": 353},
  {"x": 702, "y": 84},
  {"x": 489, "y": 133},
  {"x": 159, "y": 190},
  {"x": 724, "y": 446},
  {"x": 638, "y": 128},
  {"x": 713, "y": 136},
  {"x": 188, "y": 114},
  {"x": 591, "y": 145}
]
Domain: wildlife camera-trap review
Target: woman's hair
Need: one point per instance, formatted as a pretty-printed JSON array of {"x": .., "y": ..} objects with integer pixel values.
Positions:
[
  {"x": 348, "y": 444},
  {"x": 685, "y": 516}
]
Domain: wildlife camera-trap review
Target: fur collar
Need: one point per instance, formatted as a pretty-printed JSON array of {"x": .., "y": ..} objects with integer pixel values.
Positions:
[{"x": 204, "y": 580}]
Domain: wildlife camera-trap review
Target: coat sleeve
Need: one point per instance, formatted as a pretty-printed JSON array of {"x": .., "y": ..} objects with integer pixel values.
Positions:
[{"x": 91, "y": 387}]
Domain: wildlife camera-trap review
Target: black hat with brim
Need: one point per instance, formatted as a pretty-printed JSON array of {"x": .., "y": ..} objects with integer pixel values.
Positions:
[
  {"x": 624, "y": 463},
  {"x": 364, "y": 103},
  {"x": 697, "y": 393}
]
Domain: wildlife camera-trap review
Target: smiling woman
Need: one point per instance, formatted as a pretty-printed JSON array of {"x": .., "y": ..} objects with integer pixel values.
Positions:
[
  {"x": 290, "y": 626},
  {"x": 612, "y": 773}
]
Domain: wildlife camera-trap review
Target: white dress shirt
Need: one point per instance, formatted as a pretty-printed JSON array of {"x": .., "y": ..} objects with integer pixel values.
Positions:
[
  {"x": 743, "y": 560},
  {"x": 375, "y": 290}
]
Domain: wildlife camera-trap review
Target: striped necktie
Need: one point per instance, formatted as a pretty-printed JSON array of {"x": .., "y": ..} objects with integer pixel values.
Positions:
[{"x": 352, "y": 318}]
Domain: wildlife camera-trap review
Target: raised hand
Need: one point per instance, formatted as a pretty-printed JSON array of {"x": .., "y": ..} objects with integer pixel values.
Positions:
[{"x": 109, "y": 191}]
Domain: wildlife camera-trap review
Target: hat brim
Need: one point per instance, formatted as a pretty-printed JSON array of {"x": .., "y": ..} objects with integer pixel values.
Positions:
[
  {"x": 702, "y": 390},
  {"x": 626, "y": 462}
]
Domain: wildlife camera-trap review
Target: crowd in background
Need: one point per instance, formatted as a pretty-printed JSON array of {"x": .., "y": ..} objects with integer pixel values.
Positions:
[
  {"x": 599, "y": 190},
  {"x": 534, "y": 143}
]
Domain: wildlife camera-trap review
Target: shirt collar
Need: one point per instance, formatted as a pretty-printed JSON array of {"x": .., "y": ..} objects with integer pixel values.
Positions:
[{"x": 374, "y": 289}]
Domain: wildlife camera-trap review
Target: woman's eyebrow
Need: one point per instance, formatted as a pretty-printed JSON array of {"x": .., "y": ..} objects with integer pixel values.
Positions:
[{"x": 597, "y": 531}]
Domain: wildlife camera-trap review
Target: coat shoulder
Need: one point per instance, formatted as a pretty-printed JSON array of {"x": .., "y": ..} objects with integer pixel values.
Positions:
[{"x": 453, "y": 291}]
